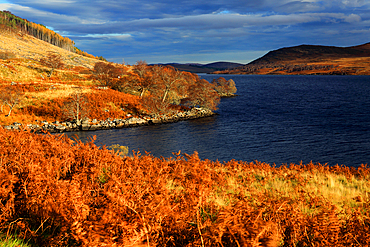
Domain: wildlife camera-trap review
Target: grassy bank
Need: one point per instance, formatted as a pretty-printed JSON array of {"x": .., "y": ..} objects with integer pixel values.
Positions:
[
  {"x": 59, "y": 192},
  {"x": 11, "y": 241}
]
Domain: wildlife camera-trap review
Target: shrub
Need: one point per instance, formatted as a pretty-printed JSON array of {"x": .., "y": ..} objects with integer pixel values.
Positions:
[
  {"x": 52, "y": 60},
  {"x": 6, "y": 55}
]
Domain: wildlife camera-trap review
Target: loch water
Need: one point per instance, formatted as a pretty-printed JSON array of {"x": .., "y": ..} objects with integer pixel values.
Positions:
[{"x": 274, "y": 119}]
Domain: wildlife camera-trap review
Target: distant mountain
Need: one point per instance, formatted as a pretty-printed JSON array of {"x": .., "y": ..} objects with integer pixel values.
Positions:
[
  {"x": 311, "y": 59},
  {"x": 204, "y": 68},
  {"x": 313, "y": 53},
  {"x": 222, "y": 65}
]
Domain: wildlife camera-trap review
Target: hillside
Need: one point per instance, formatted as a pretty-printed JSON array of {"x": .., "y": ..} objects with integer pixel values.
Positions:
[
  {"x": 21, "y": 46},
  {"x": 47, "y": 87},
  {"x": 8, "y": 21},
  {"x": 311, "y": 59}
]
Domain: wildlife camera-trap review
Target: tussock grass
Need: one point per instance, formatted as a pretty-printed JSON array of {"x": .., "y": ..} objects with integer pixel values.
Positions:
[
  {"x": 341, "y": 190},
  {"x": 57, "y": 91},
  {"x": 12, "y": 242}
]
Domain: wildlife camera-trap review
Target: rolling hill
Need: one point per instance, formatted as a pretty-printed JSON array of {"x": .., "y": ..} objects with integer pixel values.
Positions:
[{"x": 311, "y": 59}]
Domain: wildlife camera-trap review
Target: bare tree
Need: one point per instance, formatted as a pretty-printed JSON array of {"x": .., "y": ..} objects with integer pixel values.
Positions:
[
  {"x": 53, "y": 61},
  {"x": 168, "y": 77},
  {"x": 143, "y": 79},
  {"x": 76, "y": 106},
  {"x": 11, "y": 97}
]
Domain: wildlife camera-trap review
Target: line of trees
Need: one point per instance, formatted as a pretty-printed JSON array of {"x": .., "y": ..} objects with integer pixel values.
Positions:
[
  {"x": 7, "y": 19},
  {"x": 161, "y": 90}
]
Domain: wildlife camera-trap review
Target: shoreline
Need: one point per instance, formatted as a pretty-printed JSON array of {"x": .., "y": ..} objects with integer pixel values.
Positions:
[{"x": 93, "y": 124}]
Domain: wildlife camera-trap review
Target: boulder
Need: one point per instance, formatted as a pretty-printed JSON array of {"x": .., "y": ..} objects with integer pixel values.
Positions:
[
  {"x": 85, "y": 126},
  {"x": 60, "y": 128},
  {"x": 95, "y": 127}
]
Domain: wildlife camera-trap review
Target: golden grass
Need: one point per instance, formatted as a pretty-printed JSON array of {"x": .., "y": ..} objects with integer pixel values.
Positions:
[
  {"x": 19, "y": 118},
  {"x": 339, "y": 190},
  {"x": 11, "y": 70},
  {"x": 57, "y": 91},
  {"x": 28, "y": 47},
  {"x": 26, "y": 71}
]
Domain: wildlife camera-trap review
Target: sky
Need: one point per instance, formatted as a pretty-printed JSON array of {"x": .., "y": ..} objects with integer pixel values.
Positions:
[{"x": 197, "y": 31}]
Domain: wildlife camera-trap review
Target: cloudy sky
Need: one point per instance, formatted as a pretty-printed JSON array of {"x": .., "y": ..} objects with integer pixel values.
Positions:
[{"x": 162, "y": 31}]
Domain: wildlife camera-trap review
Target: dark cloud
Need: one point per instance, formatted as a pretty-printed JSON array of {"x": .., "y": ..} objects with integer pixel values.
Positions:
[{"x": 158, "y": 31}]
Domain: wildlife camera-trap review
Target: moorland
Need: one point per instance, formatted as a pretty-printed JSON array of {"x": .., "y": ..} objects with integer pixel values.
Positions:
[
  {"x": 309, "y": 60},
  {"x": 55, "y": 191}
]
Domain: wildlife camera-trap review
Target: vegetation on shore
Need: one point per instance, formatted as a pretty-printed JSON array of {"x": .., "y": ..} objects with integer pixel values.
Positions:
[
  {"x": 43, "y": 82},
  {"x": 53, "y": 87},
  {"x": 59, "y": 192},
  {"x": 106, "y": 91}
]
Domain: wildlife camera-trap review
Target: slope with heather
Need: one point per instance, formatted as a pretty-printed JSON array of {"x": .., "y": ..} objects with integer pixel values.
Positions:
[{"x": 41, "y": 82}]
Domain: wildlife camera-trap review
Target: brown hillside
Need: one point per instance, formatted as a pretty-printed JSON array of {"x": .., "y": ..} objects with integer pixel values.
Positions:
[
  {"x": 20, "y": 67},
  {"x": 24, "y": 46},
  {"x": 311, "y": 59},
  {"x": 41, "y": 82},
  {"x": 313, "y": 53}
]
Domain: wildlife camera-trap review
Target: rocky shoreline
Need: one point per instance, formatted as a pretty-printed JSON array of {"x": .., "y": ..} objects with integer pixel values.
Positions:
[{"x": 93, "y": 124}]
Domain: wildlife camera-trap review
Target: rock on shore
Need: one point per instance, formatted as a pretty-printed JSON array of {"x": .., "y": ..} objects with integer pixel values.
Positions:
[{"x": 93, "y": 124}]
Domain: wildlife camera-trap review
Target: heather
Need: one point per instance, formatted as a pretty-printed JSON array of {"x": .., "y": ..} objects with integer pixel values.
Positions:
[{"x": 55, "y": 191}]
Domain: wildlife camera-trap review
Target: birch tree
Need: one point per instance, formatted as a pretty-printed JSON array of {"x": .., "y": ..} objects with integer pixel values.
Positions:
[
  {"x": 77, "y": 106},
  {"x": 202, "y": 94},
  {"x": 168, "y": 77},
  {"x": 143, "y": 78},
  {"x": 106, "y": 73},
  {"x": 10, "y": 97}
]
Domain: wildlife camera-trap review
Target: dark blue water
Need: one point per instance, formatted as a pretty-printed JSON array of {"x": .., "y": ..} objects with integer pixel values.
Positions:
[{"x": 275, "y": 119}]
